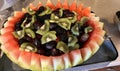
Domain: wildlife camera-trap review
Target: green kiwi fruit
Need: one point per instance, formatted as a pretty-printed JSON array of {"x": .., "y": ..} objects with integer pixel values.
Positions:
[
  {"x": 19, "y": 34},
  {"x": 28, "y": 47},
  {"x": 43, "y": 29},
  {"x": 62, "y": 46},
  {"x": 72, "y": 40},
  {"x": 75, "y": 29},
  {"x": 30, "y": 33},
  {"x": 48, "y": 36}
]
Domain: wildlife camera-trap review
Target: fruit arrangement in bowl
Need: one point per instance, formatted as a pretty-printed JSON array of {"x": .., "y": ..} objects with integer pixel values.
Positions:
[{"x": 51, "y": 37}]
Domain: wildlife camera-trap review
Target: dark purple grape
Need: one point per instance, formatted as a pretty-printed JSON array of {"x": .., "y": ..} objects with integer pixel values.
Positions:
[
  {"x": 54, "y": 52},
  {"x": 18, "y": 26},
  {"x": 56, "y": 12},
  {"x": 40, "y": 10},
  {"x": 53, "y": 26},
  {"x": 41, "y": 51},
  {"x": 41, "y": 19},
  {"x": 37, "y": 25},
  {"x": 67, "y": 13},
  {"x": 84, "y": 37},
  {"x": 37, "y": 42},
  {"x": 50, "y": 45}
]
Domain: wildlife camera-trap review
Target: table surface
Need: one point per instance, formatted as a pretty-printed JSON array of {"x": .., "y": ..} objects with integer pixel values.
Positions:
[{"x": 106, "y": 11}]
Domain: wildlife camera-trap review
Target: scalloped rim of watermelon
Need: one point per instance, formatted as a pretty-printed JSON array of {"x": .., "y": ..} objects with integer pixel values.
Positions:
[{"x": 84, "y": 51}]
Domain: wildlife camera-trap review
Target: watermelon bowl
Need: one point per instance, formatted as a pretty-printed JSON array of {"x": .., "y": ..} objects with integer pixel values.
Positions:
[{"x": 51, "y": 37}]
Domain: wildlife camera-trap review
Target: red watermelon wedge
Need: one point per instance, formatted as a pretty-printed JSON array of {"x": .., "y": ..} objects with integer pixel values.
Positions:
[{"x": 42, "y": 27}]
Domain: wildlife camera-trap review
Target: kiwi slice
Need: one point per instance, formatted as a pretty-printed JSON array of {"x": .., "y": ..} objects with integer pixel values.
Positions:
[
  {"x": 54, "y": 17},
  {"x": 72, "y": 19},
  {"x": 62, "y": 46},
  {"x": 30, "y": 33},
  {"x": 72, "y": 40},
  {"x": 30, "y": 11},
  {"x": 28, "y": 47},
  {"x": 44, "y": 28},
  {"x": 31, "y": 23},
  {"x": 64, "y": 23},
  {"x": 76, "y": 46},
  {"x": 83, "y": 21},
  {"x": 19, "y": 34},
  {"x": 61, "y": 12},
  {"x": 23, "y": 23},
  {"x": 75, "y": 29},
  {"x": 88, "y": 29},
  {"x": 48, "y": 36},
  {"x": 47, "y": 11}
]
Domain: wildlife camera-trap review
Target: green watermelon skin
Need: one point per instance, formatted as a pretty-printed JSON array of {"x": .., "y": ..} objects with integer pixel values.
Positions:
[{"x": 36, "y": 62}]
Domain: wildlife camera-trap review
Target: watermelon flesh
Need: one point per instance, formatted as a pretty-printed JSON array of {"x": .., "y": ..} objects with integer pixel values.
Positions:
[{"x": 36, "y": 62}]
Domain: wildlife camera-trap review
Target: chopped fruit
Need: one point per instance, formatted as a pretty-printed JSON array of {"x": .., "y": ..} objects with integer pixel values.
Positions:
[
  {"x": 30, "y": 11},
  {"x": 88, "y": 29},
  {"x": 51, "y": 37},
  {"x": 62, "y": 46},
  {"x": 19, "y": 34},
  {"x": 64, "y": 23},
  {"x": 72, "y": 40},
  {"x": 75, "y": 29},
  {"x": 44, "y": 28},
  {"x": 28, "y": 47}
]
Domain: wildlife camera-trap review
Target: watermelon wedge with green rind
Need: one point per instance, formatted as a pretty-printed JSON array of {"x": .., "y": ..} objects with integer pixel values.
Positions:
[{"x": 37, "y": 62}]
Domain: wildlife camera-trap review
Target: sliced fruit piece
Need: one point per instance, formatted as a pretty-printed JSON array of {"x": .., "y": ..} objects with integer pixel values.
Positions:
[
  {"x": 65, "y": 4},
  {"x": 14, "y": 55},
  {"x": 67, "y": 61},
  {"x": 24, "y": 59},
  {"x": 86, "y": 11},
  {"x": 73, "y": 19},
  {"x": 39, "y": 5},
  {"x": 28, "y": 47},
  {"x": 6, "y": 29},
  {"x": 73, "y": 6},
  {"x": 88, "y": 29},
  {"x": 94, "y": 46},
  {"x": 64, "y": 23},
  {"x": 35, "y": 62},
  {"x": 6, "y": 47},
  {"x": 11, "y": 21},
  {"x": 58, "y": 5},
  {"x": 58, "y": 63},
  {"x": 6, "y": 37},
  {"x": 79, "y": 9},
  {"x": 86, "y": 53},
  {"x": 96, "y": 24},
  {"x": 50, "y": 4},
  {"x": 30, "y": 33},
  {"x": 46, "y": 11},
  {"x": 21, "y": 14},
  {"x": 54, "y": 17},
  {"x": 83, "y": 21},
  {"x": 62, "y": 46},
  {"x": 46, "y": 63},
  {"x": 30, "y": 11},
  {"x": 75, "y": 29},
  {"x": 44, "y": 29},
  {"x": 19, "y": 34},
  {"x": 49, "y": 36},
  {"x": 72, "y": 40},
  {"x": 76, "y": 57},
  {"x": 32, "y": 7},
  {"x": 99, "y": 32},
  {"x": 99, "y": 39}
]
